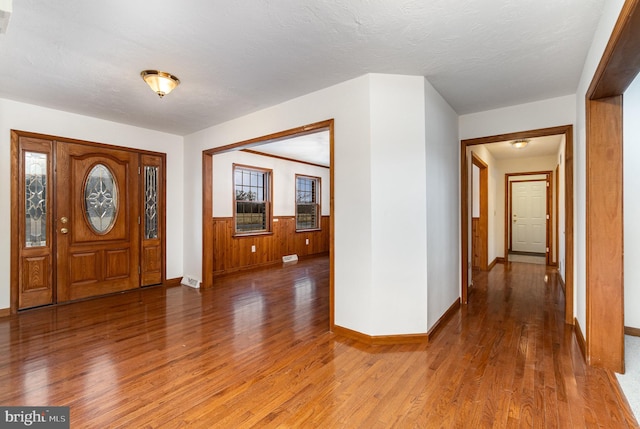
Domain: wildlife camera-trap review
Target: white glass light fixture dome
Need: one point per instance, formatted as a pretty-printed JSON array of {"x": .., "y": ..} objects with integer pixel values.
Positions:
[
  {"x": 160, "y": 82},
  {"x": 519, "y": 144}
]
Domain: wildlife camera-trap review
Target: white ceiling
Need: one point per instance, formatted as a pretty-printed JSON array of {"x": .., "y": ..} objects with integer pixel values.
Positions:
[
  {"x": 312, "y": 148},
  {"x": 539, "y": 146},
  {"x": 236, "y": 57}
]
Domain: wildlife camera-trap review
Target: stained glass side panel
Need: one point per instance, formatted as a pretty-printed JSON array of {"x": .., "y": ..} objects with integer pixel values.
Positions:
[
  {"x": 35, "y": 167},
  {"x": 150, "y": 202},
  {"x": 101, "y": 199}
]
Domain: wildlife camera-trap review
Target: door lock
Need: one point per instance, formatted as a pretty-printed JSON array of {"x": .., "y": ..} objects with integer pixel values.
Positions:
[{"x": 64, "y": 220}]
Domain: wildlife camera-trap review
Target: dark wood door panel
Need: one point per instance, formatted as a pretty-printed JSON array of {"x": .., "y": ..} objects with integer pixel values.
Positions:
[
  {"x": 152, "y": 220},
  {"x": 33, "y": 223},
  {"x": 98, "y": 247}
]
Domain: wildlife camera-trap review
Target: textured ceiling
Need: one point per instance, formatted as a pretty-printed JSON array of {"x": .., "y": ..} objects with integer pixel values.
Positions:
[
  {"x": 312, "y": 148},
  {"x": 236, "y": 57}
]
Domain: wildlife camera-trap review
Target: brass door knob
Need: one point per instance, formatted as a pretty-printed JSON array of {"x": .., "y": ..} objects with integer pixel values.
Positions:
[{"x": 64, "y": 230}]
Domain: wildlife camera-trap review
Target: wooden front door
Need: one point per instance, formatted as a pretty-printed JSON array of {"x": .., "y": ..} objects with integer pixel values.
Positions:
[
  {"x": 88, "y": 220},
  {"x": 96, "y": 226}
]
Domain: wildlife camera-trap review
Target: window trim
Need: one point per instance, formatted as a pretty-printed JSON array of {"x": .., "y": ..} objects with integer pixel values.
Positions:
[
  {"x": 268, "y": 201},
  {"x": 318, "y": 181}
]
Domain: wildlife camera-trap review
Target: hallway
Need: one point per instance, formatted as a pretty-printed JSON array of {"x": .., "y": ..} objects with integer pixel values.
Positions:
[{"x": 255, "y": 352}]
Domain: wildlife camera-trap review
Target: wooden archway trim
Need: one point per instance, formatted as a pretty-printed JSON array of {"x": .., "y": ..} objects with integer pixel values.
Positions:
[{"x": 618, "y": 66}]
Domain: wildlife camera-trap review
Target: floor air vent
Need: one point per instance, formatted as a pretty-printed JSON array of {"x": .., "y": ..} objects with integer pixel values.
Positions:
[{"x": 289, "y": 258}]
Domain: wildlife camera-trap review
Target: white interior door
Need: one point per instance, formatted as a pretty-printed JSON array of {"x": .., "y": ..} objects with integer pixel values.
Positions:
[{"x": 529, "y": 216}]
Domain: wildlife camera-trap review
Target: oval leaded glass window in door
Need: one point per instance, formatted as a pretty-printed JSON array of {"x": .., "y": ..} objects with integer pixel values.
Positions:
[{"x": 101, "y": 199}]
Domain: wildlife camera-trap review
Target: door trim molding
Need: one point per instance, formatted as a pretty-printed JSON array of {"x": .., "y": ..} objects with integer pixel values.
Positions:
[
  {"x": 618, "y": 67},
  {"x": 465, "y": 220}
]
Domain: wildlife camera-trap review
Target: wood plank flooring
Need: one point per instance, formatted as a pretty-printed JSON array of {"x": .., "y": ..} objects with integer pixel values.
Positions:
[{"x": 256, "y": 352}]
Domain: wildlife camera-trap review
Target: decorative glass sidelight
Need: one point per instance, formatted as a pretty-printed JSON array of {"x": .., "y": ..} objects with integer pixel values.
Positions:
[
  {"x": 35, "y": 167},
  {"x": 150, "y": 202},
  {"x": 101, "y": 199}
]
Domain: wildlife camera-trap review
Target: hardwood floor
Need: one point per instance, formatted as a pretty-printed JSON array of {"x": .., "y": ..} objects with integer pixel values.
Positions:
[{"x": 256, "y": 352}]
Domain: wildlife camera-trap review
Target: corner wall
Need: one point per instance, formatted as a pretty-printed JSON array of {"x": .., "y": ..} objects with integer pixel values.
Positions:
[
  {"x": 380, "y": 217},
  {"x": 443, "y": 204},
  {"x": 398, "y": 205}
]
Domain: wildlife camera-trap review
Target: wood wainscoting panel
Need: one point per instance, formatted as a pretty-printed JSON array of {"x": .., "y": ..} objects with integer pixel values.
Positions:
[{"x": 234, "y": 253}]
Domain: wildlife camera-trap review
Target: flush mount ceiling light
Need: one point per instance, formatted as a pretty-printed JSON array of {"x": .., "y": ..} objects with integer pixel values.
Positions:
[
  {"x": 519, "y": 144},
  {"x": 160, "y": 82}
]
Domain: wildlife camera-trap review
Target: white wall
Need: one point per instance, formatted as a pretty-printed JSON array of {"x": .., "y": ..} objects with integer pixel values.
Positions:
[
  {"x": 372, "y": 165},
  {"x": 475, "y": 192},
  {"x": 26, "y": 117},
  {"x": 631, "y": 151},
  {"x": 398, "y": 204},
  {"x": 443, "y": 204},
  {"x": 283, "y": 180},
  {"x": 610, "y": 14},
  {"x": 540, "y": 114}
]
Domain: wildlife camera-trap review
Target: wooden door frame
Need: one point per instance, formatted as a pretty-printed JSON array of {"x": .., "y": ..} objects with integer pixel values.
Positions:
[
  {"x": 618, "y": 67},
  {"x": 567, "y": 130},
  {"x": 507, "y": 209},
  {"x": 556, "y": 214},
  {"x": 207, "y": 199},
  {"x": 483, "y": 222},
  {"x": 15, "y": 201}
]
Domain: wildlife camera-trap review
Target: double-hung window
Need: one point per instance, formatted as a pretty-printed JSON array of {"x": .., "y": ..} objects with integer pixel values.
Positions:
[
  {"x": 252, "y": 199},
  {"x": 307, "y": 203}
]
